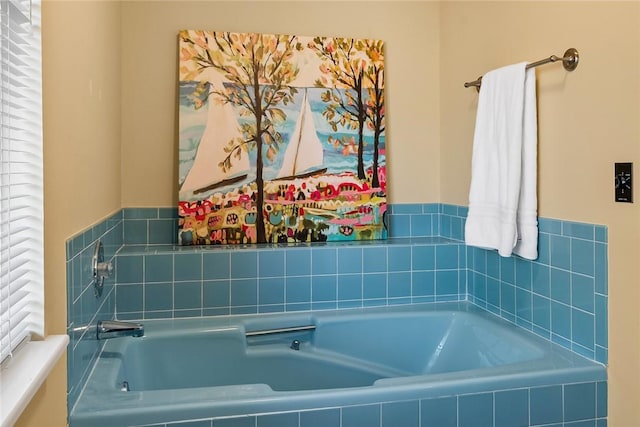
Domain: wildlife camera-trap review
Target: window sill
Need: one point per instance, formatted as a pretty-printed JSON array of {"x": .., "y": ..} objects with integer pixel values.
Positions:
[{"x": 22, "y": 376}]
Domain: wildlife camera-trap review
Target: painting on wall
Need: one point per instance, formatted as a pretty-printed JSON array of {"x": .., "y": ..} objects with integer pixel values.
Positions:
[{"x": 281, "y": 139}]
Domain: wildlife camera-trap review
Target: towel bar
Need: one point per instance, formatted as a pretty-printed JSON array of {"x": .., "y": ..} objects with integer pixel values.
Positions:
[{"x": 569, "y": 60}]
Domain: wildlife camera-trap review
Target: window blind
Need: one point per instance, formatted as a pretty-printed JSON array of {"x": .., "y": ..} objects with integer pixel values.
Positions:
[{"x": 21, "y": 187}]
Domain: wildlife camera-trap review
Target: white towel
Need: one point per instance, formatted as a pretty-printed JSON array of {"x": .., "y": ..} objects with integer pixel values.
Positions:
[{"x": 502, "y": 198}]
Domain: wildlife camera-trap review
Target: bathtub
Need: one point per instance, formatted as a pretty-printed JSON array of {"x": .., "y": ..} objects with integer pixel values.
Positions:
[{"x": 204, "y": 368}]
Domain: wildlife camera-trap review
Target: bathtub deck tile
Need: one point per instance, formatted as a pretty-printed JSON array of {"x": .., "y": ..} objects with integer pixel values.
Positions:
[
  {"x": 401, "y": 414},
  {"x": 358, "y": 416},
  {"x": 320, "y": 418},
  {"x": 439, "y": 412}
]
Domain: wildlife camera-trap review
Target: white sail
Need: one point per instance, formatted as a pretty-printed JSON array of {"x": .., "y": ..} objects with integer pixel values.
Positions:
[
  {"x": 304, "y": 150},
  {"x": 205, "y": 173}
]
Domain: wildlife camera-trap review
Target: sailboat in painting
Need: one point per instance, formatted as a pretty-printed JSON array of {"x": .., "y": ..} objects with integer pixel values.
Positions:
[
  {"x": 304, "y": 155},
  {"x": 206, "y": 174}
]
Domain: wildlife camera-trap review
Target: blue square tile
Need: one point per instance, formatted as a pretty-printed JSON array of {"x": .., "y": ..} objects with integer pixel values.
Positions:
[
  {"x": 493, "y": 292},
  {"x": 601, "y": 399},
  {"x": 451, "y": 210},
  {"x": 187, "y": 267},
  {"x": 601, "y": 321},
  {"x": 320, "y": 418},
  {"x": 446, "y": 282},
  {"x": 480, "y": 286},
  {"x": 271, "y": 290},
  {"x": 401, "y": 414},
  {"x": 524, "y": 305},
  {"x": 298, "y": 262},
  {"x": 374, "y": 260},
  {"x": 542, "y": 312},
  {"x": 298, "y": 289},
  {"x": 512, "y": 408},
  {"x": 374, "y": 285},
  {"x": 407, "y": 208},
  {"x": 560, "y": 252},
  {"x": 271, "y": 263},
  {"x": 445, "y": 226},
  {"x": 323, "y": 288},
  {"x": 399, "y": 226},
  {"x": 244, "y": 292},
  {"x": 440, "y": 412},
  {"x": 349, "y": 260},
  {"x": 244, "y": 264},
  {"x": 135, "y": 232},
  {"x": 582, "y": 292},
  {"x": 423, "y": 258},
  {"x": 216, "y": 293},
  {"x": 199, "y": 423},
  {"x": 541, "y": 279},
  {"x": 493, "y": 265},
  {"x": 162, "y": 231},
  {"x": 187, "y": 295},
  {"x": 289, "y": 419},
  {"x": 158, "y": 296},
  {"x": 399, "y": 258},
  {"x": 234, "y": 422},
  {"x": 129, "y": 269},
  {"x": 140, "y": 213},
  {"x": 561, "y": 319},
  {"x": 524, "y": 273},
  {"x": 601, "y": 234},
  {"x": 582, "y": 256},
  {"x": 546, "y": 405},
  {"x": 420, "y": 225},
  {"x": 360, "y": 416},
  {"x": 431, "y": 208},
  {"x": 561, "y": 286},
  {"x": 324, "y": 261},
  {"x": 129, "y": 298},
  {"x": 349, "y": 287},
  {"x": 579, "y": 401},
  {"x": 216, "y": 265},
  {"x": 475, "y": 410},
  {"x": 158, "y": 268},
  {"x": 399, "y": 285},
  {"x": 508, "y": 270},
  {"x": 508, "y": 298},
  {"x": 544, "y": 248},
  {"x": 423, "y": 283},
  {"x": 551, "y": 226},
  {"x": 457, "y": 228},
  {"x": 447, "y": 256},
  {"x": 583, "y": 328},
  {"x": 578, "y": 230},
  {"x": 601, "y": 268}
]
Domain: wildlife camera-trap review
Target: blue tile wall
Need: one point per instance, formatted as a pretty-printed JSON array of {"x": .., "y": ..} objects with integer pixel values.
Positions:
[
  {"x": 83, "y": 307},
  {"x": 561, "y": 296},
  {"x": 424, "y": 260},
  {"x": 562, "y": 405}
]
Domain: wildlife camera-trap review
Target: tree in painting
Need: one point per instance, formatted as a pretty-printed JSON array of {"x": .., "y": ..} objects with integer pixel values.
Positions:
[
  {"x": 375, "y": 100},
  {"x": 352, "y": 71},
  {"x": 259, "y": 70}
]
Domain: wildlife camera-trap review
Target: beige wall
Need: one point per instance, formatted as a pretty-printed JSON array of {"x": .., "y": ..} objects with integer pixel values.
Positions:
[
  {"x": 149, "y": 66},
  {"x": 588, "y": 119},
  {"x": 81, "y": 112},
  {"x": 110, "y": 118}
]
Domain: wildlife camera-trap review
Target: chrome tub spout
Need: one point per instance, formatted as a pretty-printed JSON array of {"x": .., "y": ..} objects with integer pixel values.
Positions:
[{"x": 115, "y": 328}]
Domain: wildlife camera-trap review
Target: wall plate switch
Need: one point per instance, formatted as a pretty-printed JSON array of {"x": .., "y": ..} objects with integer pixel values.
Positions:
[{"x": 623, "y": 182}]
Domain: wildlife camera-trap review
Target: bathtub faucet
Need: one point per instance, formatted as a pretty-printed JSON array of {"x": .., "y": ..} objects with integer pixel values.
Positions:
[{"x": 115, "y": 328}]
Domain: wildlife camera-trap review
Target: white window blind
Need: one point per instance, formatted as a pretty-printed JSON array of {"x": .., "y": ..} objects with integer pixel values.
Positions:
[{"x": 21, "y": 193}]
